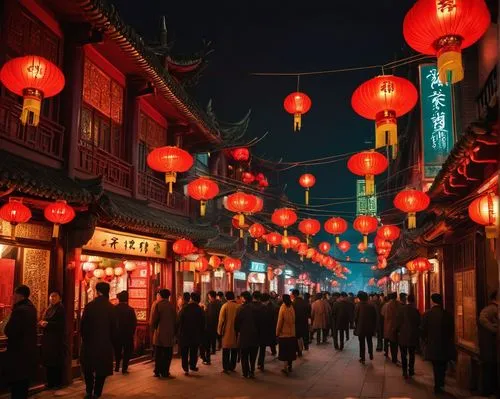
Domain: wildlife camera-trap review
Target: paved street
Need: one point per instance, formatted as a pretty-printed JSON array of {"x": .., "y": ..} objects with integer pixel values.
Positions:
[{"x": 322, "y": 373}]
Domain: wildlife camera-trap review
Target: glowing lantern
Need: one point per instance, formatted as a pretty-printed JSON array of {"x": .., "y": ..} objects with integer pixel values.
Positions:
[
  {"x": 15, "y": 212},
  {"x": 183, "y": 247},
  {"x": 241, "y": 203},
  {"x": 307, "y": 180},
  {"x": 411, "y": 266},
  {"x": 335, "y": 283},
  {"x": 241, "y": 154},
  {"x": 368, "y": 164},
  {"x": 285, "y": 243},
  {"x": 294, "y": 242},
  {"x": 256, "y": 230},
  {"x": 444, "y": 28},
  {"x": 380, "y": 243},
  {"x": 202, "y": 189},
  {"x": 214, "y": 261},
  {"x": 389, "y": 232},
  {"x": 336, "y": 226},
  {"x": 263, "y": 183},
  {"x": 395, "y": 277},
  {"x": 109, "y": 271},
  {"x": 419, "y": 265},
  {"x": 411, "y": 201},
  {"x": 484, "y": 210},
  {"x": 98, "y": 273},
  {"x": 362, "y": 247},
  {"x": 383, "y": 251},
  {"x": 89, "y": 266},
  {"x": 130, "y": 266},
  {"x": 382, "y": 264},
  {"x": 273, "y": 239},
  {"x": 371, "y": 282},
  {"x": 324, "y": 247},
  {"x": 297, "y": 103},
  {"x": 34, "y": 78},
  {"x": 309, "y": 227},
  {"x": 383, "y": 99},
  {"x": 247, "y": 178},
  {"x": 58, "y": 213},
  {"x": 201, "y": 264},
  {"x": 365, "y": 225},
  {"x": 284, "y": 217},
  {"x": 302, "y": 250},
  {"x": 118, "y": 271},
  {"x": 344, "y": 246},
  {"x": 170, "y": 160},
  {"x": 232, "y": 264},
  {"x": 310, "y": 253}
]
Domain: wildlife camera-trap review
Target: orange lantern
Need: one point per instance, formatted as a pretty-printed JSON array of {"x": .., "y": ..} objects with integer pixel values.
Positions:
[
  {"x": 335, "y": 283},
  {"x": 395, "y": 277},
  {"x": 324, "y": 247},
  {"x": 383, "y": 99},
  {"x": 201, "y": 264},
  {"x": 241, "y": 203},
  {"x": 34, "y": 78},
  {"x": 411, "y": 201},
  {"x": 344, "y": 246},
  {"x": 302, "y": 250},
  {"x": 202, "y": 189},
  {"x": 294, "y": 242},
  {"x": 484, "y": 210},
  {"x": 419, "y": 265},
  {"x": 310, "y": 253},
  {"x": 444, "y": 28},
  {"x": 232, "y": 264},
  {"x": 307, "y": 180},
  {"x": 15, "y": 212},
  {"x": 58, "y": 212},
  {"x": 214, "y": 261},
  {"x": 380, "y": 243},
  {"x": 371, "y": 282},
  {"x": 368, "y": 164},
  {"x": 336, "y": 226},
  {"x": 170, "y": 160},
  {"x": 362, "y": 247},
  {"x": 285, "y": 243},
  {"x": 389, "y": 232},
  {"x": 240, "y": 154},
  {"x": 183, "y": 247},
  {"x": 284, "y": 217},
  {"x": 309, "y": 227},
  {"x": 411, "y": 266},
  {"x": 297, "y": 103},
  {"x": 273, "y": 239},
  {"x": 365, "y": 225},
  {"x": 256, "y": 230}
]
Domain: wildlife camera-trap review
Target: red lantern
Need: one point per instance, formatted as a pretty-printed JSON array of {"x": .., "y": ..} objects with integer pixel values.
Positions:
[
  {"x": 395, "y": 277},
  {"x": 484, "y": 210},
  {"x": 309, "y": 227},
  {"x": 284, "y": 217},
  {"x": 371, "y": 282},
  {"x": 381, "y": 243},
  {"x": 362, "y": 247},
  {"x": 294, "y": 242},
  {"x": 201, "y": 264},
  {"x": 444, "y": 28},
  {"x": 263, "y": 183},
  {"x": 383, "y": 99},
  {"x": 368, "y": 164},
  {"x": 297, "y": 103},
  {"x": 183, "y": 247},
  {"x": 241, "y": 154},
  {"x": 285, "y": 243},
  {"x": 170, "y": 160},
  {"x": 344, "y": 246},
  {"x": 365, "y": 225},
  {"x": 256, "y": 230},
  {"x": 58, "y": 212},
  {"x": 336, "y": 226},
  {"x": 15, "y": 212},
  {"x": 231, "y": 264},
  {"x": 382, "y": 263},
  {"x": 383, "y": 251},
  {"x": 324, "y": 247},
  {"x": 202, "y": 189},
  {"x": 214, "y": 261},
  {"x": 235, "y": 221},
  {"x": 34, "y": 78},
  {"x": 335, "y": 283},
  {"x": 411, "y": 201},
  {"x": 389, "y": 232},
  {"x": 302, "y": 250},
  {"x": 307, "y": 180},
  {"x": 273, "y": 239},
  {"x": 247, "y": 178},
  {"x": 241, "y": 203}
]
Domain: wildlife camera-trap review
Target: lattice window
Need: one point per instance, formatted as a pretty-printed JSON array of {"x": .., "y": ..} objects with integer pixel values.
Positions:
[{"x": 151, "y": 132}]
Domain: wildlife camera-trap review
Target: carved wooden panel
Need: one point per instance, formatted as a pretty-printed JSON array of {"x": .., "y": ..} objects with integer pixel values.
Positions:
[
  {"x": 151, "y": 132},
  {"x": 32, "y": 231},
  {"x": 36, "y": 267}
]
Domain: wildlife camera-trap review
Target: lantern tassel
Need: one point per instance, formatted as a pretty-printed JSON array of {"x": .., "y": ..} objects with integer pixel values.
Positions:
[
  {"x": 268, "y": 247},
  {"x": 32, "y": 104},
  {"x": 393, "y": 142},
  {"x": 55, "y": 230},
  {"x": 412, "y": 220},
  {"x": 307, "y": 196},
  {"x": 365, "y": 240},
  {"x": 369, "y": 184},
  {"x": 297, "y": 122},
  {"x": 337, "y": 239},
  {"x": 285, "y": 232},
  {"x": 203, "y": 208},
  {"x": 491, "y": 231},
  {"x": 241, "y": 233},
  {"x": 13, "y": 231},
  {"x": 449, "y": 63},
  {"x": 170, "y": 179},
  {"x": 274, "y": 249},
  {"x": 241, "y": 220},
  {"x": 255, "y": 245}
]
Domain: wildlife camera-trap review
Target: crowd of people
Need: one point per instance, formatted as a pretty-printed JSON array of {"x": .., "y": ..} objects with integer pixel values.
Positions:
[{"x": 242, "y": 327}]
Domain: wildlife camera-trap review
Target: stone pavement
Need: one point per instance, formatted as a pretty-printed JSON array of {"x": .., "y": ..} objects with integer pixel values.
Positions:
[{"x": 321, "y": 373}]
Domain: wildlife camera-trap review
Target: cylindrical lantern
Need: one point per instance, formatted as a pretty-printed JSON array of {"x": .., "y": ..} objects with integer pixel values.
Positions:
[
  {"x": 170, "y": 160},
  {"x": 15, "y": 212},
  {"x": 58, "y": 212},
  {"x": 336, "y": 226},
  {"x": 484, "y": 210},
  {"x": 368, "y": 164},
  {"x": 307, "y": 180},
  {"x": 411, "y": 201},
  {"x": 202, "y": 189},
  {"x": 297, "y": 104}
]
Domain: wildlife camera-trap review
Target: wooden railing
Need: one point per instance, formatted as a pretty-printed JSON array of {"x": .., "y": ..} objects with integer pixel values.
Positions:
[
  {"x": 488, "y": 97},
  {"x": 97, "y": 162},
  {"x": 47, "y": 138},
  {"x": 156, "y": 191}
]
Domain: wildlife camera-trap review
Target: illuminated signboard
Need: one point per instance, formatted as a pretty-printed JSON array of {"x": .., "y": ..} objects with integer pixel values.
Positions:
[
  {"x": 438, "y": 132},
  {"x": 258, "y": 267},
  {"x": 365, "y": 204}
]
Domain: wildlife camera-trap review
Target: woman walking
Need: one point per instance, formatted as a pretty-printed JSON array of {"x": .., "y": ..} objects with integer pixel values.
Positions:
[{"x": 285, "y": 331}]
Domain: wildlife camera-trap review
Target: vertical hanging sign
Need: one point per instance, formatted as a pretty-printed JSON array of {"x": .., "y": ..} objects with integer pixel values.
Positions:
[
  {"x": 438, "y": 132},
  {"x": 365, "y": 204}
]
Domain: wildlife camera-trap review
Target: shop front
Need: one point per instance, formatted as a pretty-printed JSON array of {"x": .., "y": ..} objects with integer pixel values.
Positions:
[
  {"x": 290, "y": 280},
  {"x": 239, "y": 282},
  {"x": 257, "y": 276}
]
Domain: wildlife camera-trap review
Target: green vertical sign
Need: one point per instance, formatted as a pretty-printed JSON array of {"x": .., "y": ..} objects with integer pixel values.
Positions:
[
  {"x": 365, "y": 204},
  {"x": 438, "y": 134}
]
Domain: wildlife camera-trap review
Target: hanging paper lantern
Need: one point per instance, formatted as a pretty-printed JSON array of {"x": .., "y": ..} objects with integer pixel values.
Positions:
[
  {"x": 388, "y": 232},
  {"x": 395, "y": 277},
  {"x": 241, "y": 203},
  {"x": 256, "y": 230},
  {"x": 380, "y": 243},
  {"x": 336, "y": 226},
  {"x": 444, "y": 28},
  {"x": 307, "y": 180},
  {"x": 201, "y": 264},
  {"x": 294, "y": 242},
  {"x": 202, "y": 189},
  {"x": 297, "y": 103},
  {"x": 214, "y": 261},
  {"x": 232, "y": 264},
  {"x": 118, "y": 271},
  {"x": 15, "y": 212},
  {"x": 362, "y": 247},
  {"x": 382, "y": 263},
  {"x": 263, "y": 183},
  {"x": 58, "y": 212},
  {"x": 368, "y": 164},
  {"x": 302, "y": 250},
  {"x": 109, "y": 271},
  {"x": 419, "y": 265},
  {"x": 365, "y": 225},
  {"x": 383, "y": 251},
  {"x": 34, "y": 78},
  {"x": 170, "y": 160},
  {"x": 98, "y": 273},
  {"x": 183, "y": 247},
  {"x": 411, "y": 201},
  {"x": 324, "y": 247},
  {"x": 309, "y": 227},
  {"x": 310, "y": 253},
  {"x": 484, "y": 210},
  {"x": 284, "y": 217},
  {"x": 371, "y": 282},
  {"x": 247, "y": 178},
  {"x": 344, "y": 246},
  {"x": 273, "y": 239},
  {"x": 241, "y": 154},
  {"x": 383, "y": 99},
  {"x": 335, "y": 283},
  {"x": 411, "y": 266},
  {"x": 129, "y": 265},
  {"x": 285, "y": 243}
]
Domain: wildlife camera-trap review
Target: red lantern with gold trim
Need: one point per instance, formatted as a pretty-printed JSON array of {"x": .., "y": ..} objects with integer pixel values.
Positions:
[
  {"x": 336, "y": 226},
  {"x": 284, "y": 217},
  {"x": 15, "y": 212},
  {"x": 368, "y": 164},
  {"x": 214, "y": 261},
  {"x": 256, "y": 231},
  {"x": 344, "y": 246},
  {"x": 58, "y": 212},
  {"x": 170, "y": 160},
  {"x": 297, "y": 104},
  {"x": 183, "y": 247},
  {"x": 324, "y": 247},
  {"x": 307, "y": 181},
  {"x": 273, "y": 239},
  {"x": 484, "y": 210},
  {"x": 365, "y": 225},
  {"x": 241, "y": 203},
  {"x": 389, "y": 232},
  {"x": 309, "y": 227},
  {"x": 411, "y": 201},
  {"x": 203, "y": 189},
  {"x": 294, "y": 242}
]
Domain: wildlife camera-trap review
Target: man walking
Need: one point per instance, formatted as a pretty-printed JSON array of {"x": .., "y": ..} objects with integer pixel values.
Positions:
[
  {"x": 341, "y": 320},
  {"x": 126, "y": 325},
  {"x": 390, "y": 312},
  {"x": 267, "y": 330},
  {"x": 301, "y": 321},
  {"x": 191, "y": 330},
  {"x": 212, "y": 319},
  {"x": 365, "y": 318},
  {"x": 319, "y": 318},
  {"x": 247, "y": 330},
  {"x": 408, "y": 328},
  {"x": 226, "y": 330}
]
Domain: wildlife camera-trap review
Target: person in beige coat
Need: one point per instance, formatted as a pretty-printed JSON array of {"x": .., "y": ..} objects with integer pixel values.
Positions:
[
  {"x": 163, "y": 323},
  {"x": 319, "y": 317},
  {"x": 285, "y": 331},
  {"x": 226, "y": 330}
]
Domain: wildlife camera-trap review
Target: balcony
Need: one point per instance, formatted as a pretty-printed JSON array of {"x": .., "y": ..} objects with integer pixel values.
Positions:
[
  {"x": 156, "y": 191},
  {"x": 487, "y": 98},
  {"x": 47, "y": 138}
]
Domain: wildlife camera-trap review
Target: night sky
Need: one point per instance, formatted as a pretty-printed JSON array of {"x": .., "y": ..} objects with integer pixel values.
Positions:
[{"x": 287, "y": 36}]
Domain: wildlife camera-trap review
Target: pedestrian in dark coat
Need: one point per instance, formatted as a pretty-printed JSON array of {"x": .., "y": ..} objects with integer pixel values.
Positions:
[
  {"x": 267, "y": 333},
  {"x": 247, "y": 328},
  {"x": 350, "y": 301},
  {"x": 98, "y": 332},
  {"x": 21, "y": 355},
  {"x": 408, "y": 330},
  {"x": 390, "y": 312},
  {"x": 163, "y": 324},
  {"x": 213, "y": 311},
  {"x": 341, "y": 318},
  {"x": 487, "y": 334},
  {"x": 191, "y": 330},
  {"x": 301, "y": 321},
  {"x": 377, "y": 304},
  {"x": 53, "y": 340},
  {"x": 126, "y": 325},
  {"x": 438, "y": 337},
  {"x": 365, "y": 318}
]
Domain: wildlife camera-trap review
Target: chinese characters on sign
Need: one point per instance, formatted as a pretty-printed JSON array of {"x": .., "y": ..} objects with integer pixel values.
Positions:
[
  {"x": 111, "y": 241},
  {"x": 437, "y": 119},
  {"x": 365, "y": 204}
]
